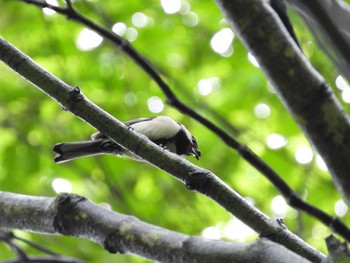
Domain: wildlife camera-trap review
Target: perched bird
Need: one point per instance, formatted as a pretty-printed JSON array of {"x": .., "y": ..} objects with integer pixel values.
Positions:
[{"x": 161, "y": 130}]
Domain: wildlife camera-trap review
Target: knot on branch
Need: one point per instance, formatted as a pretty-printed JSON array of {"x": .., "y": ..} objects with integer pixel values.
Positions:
[
  {"x": 114, "y": 242},
  {"x": 278, "y": 234},
  {"x": 75, "y": 96},
  {"x": 337, "y": 250},
  {"x": 64, "y": 212},
  {"x": 197, "y": 180}
]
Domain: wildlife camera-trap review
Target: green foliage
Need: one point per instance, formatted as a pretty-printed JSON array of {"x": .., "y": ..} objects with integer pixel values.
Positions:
[{"x": 31, "y": 123}]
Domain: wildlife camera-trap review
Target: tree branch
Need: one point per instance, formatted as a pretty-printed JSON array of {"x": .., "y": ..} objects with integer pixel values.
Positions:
[
  {"x": 303, "y": 90},
  {"x": 289, "y": 194},
  {"x": 76, "y": 216},
  {"x": 9, "y": 237},
  {"x": 193, "y": 177},
  {"x": 329, "y": 22}
]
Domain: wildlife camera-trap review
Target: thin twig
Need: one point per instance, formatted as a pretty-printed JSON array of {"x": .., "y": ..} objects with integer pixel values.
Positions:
[
  {"x": 69, "y": 5},
  {"x": 8, "y": 237},
  {"x": 293, "y": 199},
  {"x": 36, "y": 246}
]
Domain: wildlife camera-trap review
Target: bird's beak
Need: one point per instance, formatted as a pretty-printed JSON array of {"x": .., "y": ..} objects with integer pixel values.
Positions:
[{"x": 196, "y": 153}]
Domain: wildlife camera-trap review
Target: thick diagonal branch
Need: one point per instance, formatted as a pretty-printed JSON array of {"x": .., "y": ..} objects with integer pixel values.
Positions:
[{"x": 302, "y": 89}]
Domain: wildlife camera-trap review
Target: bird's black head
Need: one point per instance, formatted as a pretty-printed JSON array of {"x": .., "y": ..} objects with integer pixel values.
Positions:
[{"x": 186, "y": 144}]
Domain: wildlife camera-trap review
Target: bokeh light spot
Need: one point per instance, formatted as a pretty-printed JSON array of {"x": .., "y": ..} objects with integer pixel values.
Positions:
[
  {"x": 262, "y": 111},
  {"x": 345, "y": 95},
  {"x": 279, "y": 206},
  {"x": 60, "y": 185},
  {"x": 341, "y": 83},
  {"x": 88, "y": 40},
  {"x": 304, "y": 155},
  {"x": 171, "y": 6},
  {"x": 139, "y": 20},
  {"x": 130, "y": 99},
  {"x": 340, "y": 208},
  {"x": 208, "y": 86},
  {"x": 237, "y": 230},
  {"x": 190, "y": 19},
  {"x": 221, "y": 41},
  {"x": 276, "y": 141},
  {"x": 155, "y": 105},
  {"x": 119, "y": 28},
  {"x": 211, "y": 232},
  {"x": 131, "y": 34}
]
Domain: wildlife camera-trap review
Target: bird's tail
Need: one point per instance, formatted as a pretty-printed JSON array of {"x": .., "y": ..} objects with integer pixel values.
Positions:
[{"x": 67, "y": 151}]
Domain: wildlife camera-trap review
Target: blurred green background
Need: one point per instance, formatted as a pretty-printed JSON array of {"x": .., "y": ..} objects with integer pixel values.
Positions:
[{"x": 189, "y": 41}]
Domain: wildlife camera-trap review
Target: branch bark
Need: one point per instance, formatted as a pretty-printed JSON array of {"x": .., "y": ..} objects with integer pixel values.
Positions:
[
  {"x": 302, "y": 89},
  {"x": 193, "y": 177},
  {"x": 76, "y": 216},
  {"x": 293, "y": 199}
]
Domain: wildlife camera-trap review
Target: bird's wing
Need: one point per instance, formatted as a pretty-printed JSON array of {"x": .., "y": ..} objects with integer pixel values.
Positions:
[
  {"x": 131, "y": 122},
  {"x": 156, "y": 128},
  {"x": 99, "y": 135}
]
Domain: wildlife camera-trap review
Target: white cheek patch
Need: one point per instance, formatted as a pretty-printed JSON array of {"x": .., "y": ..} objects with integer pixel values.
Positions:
[
  {"x": 161, "y": 127},
  {"x": 188, "y": 134}
]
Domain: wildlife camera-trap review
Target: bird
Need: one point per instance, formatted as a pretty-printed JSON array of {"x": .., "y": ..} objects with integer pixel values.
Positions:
[{"x": 162, "y": 130}]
